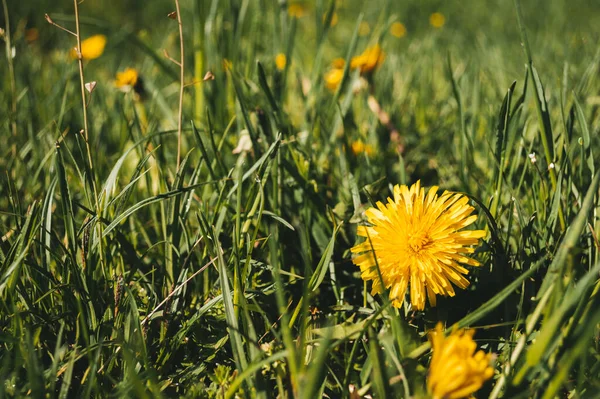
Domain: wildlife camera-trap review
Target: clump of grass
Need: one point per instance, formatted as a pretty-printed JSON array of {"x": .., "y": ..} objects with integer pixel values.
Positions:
[{"x": 233, "y": 276}]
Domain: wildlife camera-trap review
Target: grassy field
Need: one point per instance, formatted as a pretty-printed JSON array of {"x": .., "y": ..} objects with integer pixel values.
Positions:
[{"x": 191, "y": 224}]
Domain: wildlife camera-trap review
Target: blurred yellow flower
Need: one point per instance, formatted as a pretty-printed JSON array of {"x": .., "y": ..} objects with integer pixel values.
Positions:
[
  {"x": 359, "y": 147},
  {"x": 296, "y": 10},
  {"x": 127, "y": 79},
  {"x": 364, "y": 29},
  {"x": 368, "y": 60},
  {"x": 398, "y": 29},
  {"x": 334, "y": 19},
  {"x": 437, "y": 20},
  {"x": 333, "y": 77},
  {"x": 456, "y": 370},
  {"x": 415, "y": 238},
  {"x": 280, "y": 61},
  {"x": 91, "y": 48}
]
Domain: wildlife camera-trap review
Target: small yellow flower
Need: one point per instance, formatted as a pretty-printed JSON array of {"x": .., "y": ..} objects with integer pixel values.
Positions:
[
  {"x": 359, "y": 147},
  {"x": 437, "y": 20},
  {"x": 333, "y": 77},
  {"x": 368, "y": 60},
  {"x": 280, "y": 61},
  {"x": 296, "y": 10},
  {"x": 416, "y": 239},
  {"x": 334, "y": 19},
  {"x": 91, "y": 48},
  {"x": 127, "y": 79},
  {"x": 456, "y": 370},
  {"x": 398, "y": 29},
  {"x": 364, "y": 29}
]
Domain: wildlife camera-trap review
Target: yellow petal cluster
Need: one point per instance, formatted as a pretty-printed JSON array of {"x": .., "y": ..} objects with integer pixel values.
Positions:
[
  {"x": 359, "y": 147},
  {"x": 365, "y": 62},
  {"x": 456, "y": 370},
  {"x": 416, "y": 240},
  {"x": 368, "y": 60},
  {"x": 127, "y": 79},
  {"x": 91, "y": 48},
  {"x": 333, "y": 77}
]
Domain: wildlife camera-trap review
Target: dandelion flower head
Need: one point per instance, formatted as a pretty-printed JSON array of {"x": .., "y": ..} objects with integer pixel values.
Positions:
[
  {"x": 359, "y": 147},
  {"x": 91, "y": 48},
  {"x": 437, "y": 19},
  {"x": 280, "y": 61},
  {"x": 398, "y": 29},
  {"x": 417, "y": 240},
  {"x": 368, "y": 60},
  {"x": 457, "y": 370},
  {"x": 333, "y": 78},
  {"x": 127, "y": 79}
]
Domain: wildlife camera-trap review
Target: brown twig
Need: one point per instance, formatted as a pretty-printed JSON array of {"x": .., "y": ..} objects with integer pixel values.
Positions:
[
  {"x": 84, "y": 104},
  {"x": 51, "y": 22},
  {"x": 385, "y": 120}
]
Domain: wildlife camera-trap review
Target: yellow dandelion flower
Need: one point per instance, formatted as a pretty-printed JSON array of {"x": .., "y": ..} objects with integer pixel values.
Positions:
[
  {"x": 368, "y": 60},
  {"x": 127, "y": 79},
  {"x": 280, "y": 61},
  {"x": 456, "y": 370},
  {"x": 416, "y": 239},
  {"x": 296, "y": 10},
  {"x": 333, "y": 77},
  {"x": 359, "y": 147},
  {"x": 398, "y": 29},
  {"x": 91, "y": 48},
  {"x": 437, "y": 20},
  {"x": 364, "y": 29}
]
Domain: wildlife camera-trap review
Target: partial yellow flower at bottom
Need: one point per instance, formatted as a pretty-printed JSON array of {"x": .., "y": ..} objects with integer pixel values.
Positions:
[
  {"x": 127, "y": 79},
  {"x": 280, "y": 61},
  {"x": 333, "y": 77},
  {"x": 368, "y": 60},
  {"x": 91, "y": 48},
  {"x": 417, "y": 239},
  {"x": 456, "y": 370}
]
